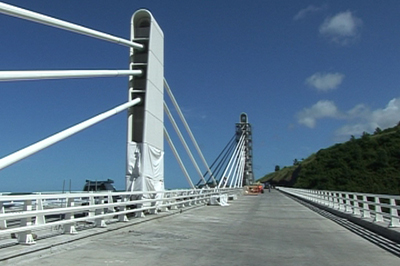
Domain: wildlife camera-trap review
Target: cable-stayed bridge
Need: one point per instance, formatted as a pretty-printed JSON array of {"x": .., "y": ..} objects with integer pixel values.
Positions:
[{"x": 45, "y": 220}]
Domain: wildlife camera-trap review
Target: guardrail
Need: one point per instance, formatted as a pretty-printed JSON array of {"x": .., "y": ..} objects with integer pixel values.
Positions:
[
  {"x": 21, "y": 216},
  {"x": 377, "y": 207}
]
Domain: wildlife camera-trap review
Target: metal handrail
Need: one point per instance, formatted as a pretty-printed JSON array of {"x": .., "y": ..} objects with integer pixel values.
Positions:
[
  {"x": 354, "y": 203},
  {"x": 32, "y": 212}
]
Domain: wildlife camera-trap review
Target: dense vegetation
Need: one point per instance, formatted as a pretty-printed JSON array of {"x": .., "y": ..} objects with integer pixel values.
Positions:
[{"x": 370, "y": 164}]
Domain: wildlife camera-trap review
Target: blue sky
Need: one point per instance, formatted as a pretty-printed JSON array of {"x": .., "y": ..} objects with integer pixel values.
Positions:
[{"x": 309, "y": 74}]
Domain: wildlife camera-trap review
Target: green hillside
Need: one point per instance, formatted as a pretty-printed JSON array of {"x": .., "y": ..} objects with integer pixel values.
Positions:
[{"x": 370, "y": 164}]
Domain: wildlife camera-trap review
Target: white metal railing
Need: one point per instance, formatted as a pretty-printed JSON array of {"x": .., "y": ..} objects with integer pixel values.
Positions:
[
  {"x": 25, "y": 215},
  {"x": 378, "y": 207}
]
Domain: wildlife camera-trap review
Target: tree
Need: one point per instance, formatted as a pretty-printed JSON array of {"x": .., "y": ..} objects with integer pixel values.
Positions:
[{"x": 277, "y": 168}]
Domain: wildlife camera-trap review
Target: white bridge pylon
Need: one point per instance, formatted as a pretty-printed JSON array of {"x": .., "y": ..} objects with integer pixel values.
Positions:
[
  {"x": 145, "y": 145},
  {"x": 145, "y": 105}
]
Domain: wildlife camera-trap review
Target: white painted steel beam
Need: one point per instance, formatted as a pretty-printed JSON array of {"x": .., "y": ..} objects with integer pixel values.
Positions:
[
  {"x": 50, "y": 21},
  {"x": 61, "y": 74},
  {"x": 38, "y": 146}
]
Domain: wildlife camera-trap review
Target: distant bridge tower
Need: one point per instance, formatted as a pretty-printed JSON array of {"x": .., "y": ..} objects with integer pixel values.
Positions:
[{"x": 244, "y": 127}]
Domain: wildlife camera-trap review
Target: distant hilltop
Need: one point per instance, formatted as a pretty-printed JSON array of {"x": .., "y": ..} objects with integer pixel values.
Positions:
[{"x": 369, "y": 164}]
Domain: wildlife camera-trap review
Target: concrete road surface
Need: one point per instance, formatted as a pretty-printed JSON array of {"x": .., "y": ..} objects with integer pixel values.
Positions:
[{"x": 268, "y": 229}]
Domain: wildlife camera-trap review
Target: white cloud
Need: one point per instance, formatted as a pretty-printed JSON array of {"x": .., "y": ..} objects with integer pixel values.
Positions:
[
  {"x": 325, "y": 81},
  {"x": 305, "y": 11},
  {"x": 321, "y": 109},
  {"x": 359, "y": 119},
  {"x": 342, "y": 28},
  {"x": 367, "y": 120},
  {"x": 358, "y": 111}
]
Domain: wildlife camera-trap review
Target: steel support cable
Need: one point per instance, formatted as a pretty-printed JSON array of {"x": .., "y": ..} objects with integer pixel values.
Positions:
[
  {"x": 38, "y": 146},
  {"x": 233, "y": 166},
  {"x": 241, "y": 173},
  {"x": 230, "y": 161},
  {"x": 227, "y": 170},
  {"x": 178, "y": 158},
  {"x": 235, "y": 157},
  {"x": 61, "y": 74},
  {"x": 166, "y": 109},
  {"x": 237, "y": 170},
  {"x": 235, "y": 185},
  {"x": 236, "y": 166},
  {"x": 58, "y": 23},
  {"x": 178, "y": 109},
  {"x": 228, "y": 145},
  {"x": 220, "y": 154},
  {"x": 223, "y": 163}
]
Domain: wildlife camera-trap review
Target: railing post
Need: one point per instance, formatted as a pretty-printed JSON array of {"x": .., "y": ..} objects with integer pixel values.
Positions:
[
  {"x": 91, "y": 212},
  {"x": 165, "y": 202},
  {"x": 40, "y": 219},
  {"x": 341, "y": 202},
  {"x": 123, "y": 217},
  {"x": 325, "y": 198},
  {"x": 394, "y": 215},
  {"x": 70, "y": 228},
  {"x": 378, "y": 211},
  {"x": 356, "y": 207},
  {"x": 366, "y": 211},
  {"x": 26, "y": 237},
  {"x": 139, "y": 214},
  {"x": 173, "y": 201},
  {"x": 331, "y": 200},
  {"x": 100, "y": 222},
  {"x": 3, "y": 223},
  {"x": 321, "y": 197},
  {"x": 153, "y": 204},
  {"x": 110, "y": 200},
  {"x": 348, "y": 203},
  {"x": 335, "y": 201}
]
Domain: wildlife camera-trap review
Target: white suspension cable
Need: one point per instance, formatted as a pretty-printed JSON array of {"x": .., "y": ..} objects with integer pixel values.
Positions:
[
  {"x": 50, "y": 21},
  {"x": 241, "y": 172},
  {"x": 166, "y": 109},
  {"x": 230, "y": 161},
  {"x": 237, "y": 168},
  {"x": 178, "y": 109},
  {"x": 38, "y": 146},
  {"x": 178, "y": 158},
  {"x": 58, "y": 74},
  {"x": 237, "y": 165},
  {"x": 237, "y": 176},
  {"x": 234, "y": 165}
]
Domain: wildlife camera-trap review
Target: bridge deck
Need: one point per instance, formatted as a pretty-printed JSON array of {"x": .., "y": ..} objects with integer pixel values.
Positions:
[{"x": 269, "y": 229}]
